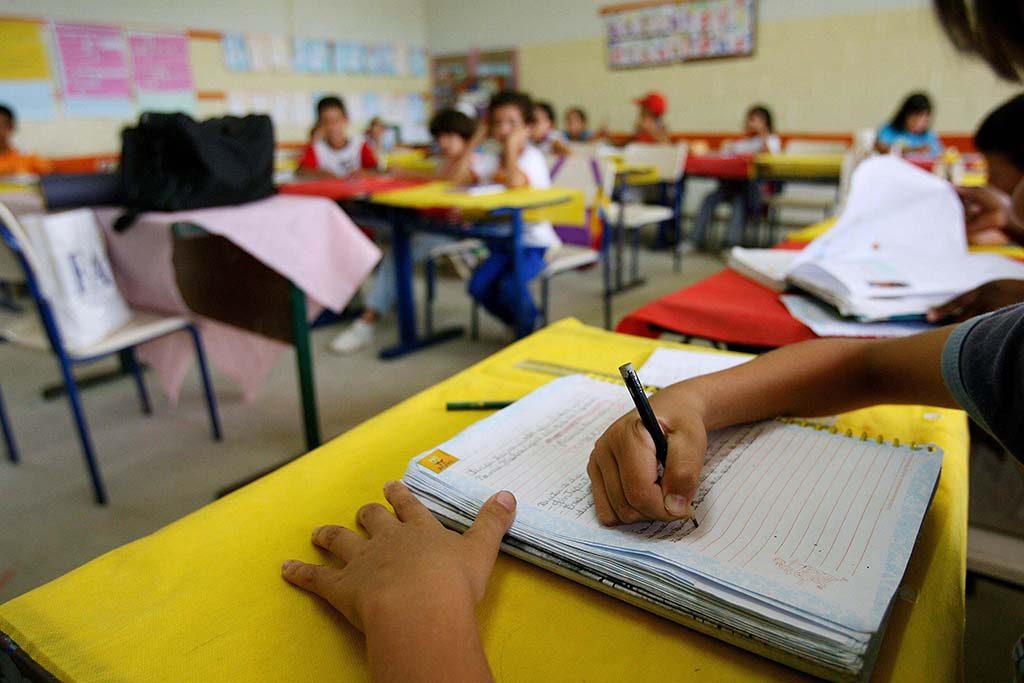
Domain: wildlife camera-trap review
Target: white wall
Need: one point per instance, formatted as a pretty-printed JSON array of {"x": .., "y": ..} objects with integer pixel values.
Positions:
[{"x": 458, "y": 25}]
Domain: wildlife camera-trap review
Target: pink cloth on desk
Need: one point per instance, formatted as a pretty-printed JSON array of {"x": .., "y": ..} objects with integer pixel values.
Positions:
[{"x": 308, "y": 240}]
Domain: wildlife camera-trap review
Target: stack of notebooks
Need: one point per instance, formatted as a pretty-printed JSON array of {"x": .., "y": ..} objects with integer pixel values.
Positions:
[
  {"x": 804, "y": 533},
  {"x": 898, "y": 249}
]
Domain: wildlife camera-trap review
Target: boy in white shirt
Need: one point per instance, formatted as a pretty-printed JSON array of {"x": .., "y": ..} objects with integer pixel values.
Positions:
[
  {"x": 513, "y": 162},
  {"x": 331, "y": 152},
  {"x": 543, "y": 134}
]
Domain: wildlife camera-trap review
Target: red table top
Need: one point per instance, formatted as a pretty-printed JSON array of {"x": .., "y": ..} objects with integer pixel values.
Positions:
[
  {"x": 725, "y": 307},
  {"x": 340, "y": 189},
  {"x": 727, "y": 166}
]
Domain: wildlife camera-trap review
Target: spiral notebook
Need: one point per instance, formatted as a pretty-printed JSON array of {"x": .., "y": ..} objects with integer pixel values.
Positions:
[{"x": 804, "y": 532}]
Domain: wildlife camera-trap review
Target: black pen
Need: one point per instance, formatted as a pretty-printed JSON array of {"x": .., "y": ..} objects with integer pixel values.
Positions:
[
  {"x": 643, "y": 407},
  {"x": 647, "y": 416}
]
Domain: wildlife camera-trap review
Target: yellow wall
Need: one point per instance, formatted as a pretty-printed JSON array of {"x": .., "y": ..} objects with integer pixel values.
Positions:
[{"x": 835, "y": 73}]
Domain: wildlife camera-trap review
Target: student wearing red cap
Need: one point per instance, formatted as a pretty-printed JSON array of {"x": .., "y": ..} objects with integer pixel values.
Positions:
[{"x": 649, "y": 126}]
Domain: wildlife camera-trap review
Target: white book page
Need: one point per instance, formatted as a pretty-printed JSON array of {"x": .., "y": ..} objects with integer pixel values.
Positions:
[
  {"x": 816, "y": 521},
  {"x": 825, "y": 322},
  {"x": 668, "y": 366}
]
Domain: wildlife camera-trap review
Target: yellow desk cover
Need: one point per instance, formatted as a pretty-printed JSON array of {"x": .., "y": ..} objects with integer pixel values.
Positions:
[
  {"x": 636, "y": 174},
  {"x": 411, "y": 160},
  {"x": 796, "y": 166},
  {"x": 567, "y": 206},
  {"x": 818, "y": 229},
  {"x": 202, "y": 599}
]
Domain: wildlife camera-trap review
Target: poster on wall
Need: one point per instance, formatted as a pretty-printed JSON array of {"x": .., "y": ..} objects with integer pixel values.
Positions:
[
  {"x": 235, "y": 48},
  {"x": 25, "y": 71},
  {"x": 311, "y": 56},
  {"x": 163, "y": 72},
  {"x": 349, "y": 58},
  {"x": 95, "y": 73},
  {"x": 269, "y": 53},
  {"x": 656, "y": 34},
  {"x": 417, "y": 62}
]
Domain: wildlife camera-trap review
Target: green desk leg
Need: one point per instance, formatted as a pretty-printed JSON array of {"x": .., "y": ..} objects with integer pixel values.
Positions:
[{"x": 304, "y": 362}]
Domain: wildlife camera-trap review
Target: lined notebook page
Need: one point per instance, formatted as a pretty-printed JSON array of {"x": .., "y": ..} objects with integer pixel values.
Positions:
[
  {"x": 821, "y": 521},
  {"x": 668, "y": 366}
]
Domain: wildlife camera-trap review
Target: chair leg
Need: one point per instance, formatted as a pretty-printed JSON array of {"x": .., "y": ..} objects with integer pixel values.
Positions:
[
  {"x": 544, "y": 301},
  {"x": 204, "y": 372},
  {"x": 428, "y": 309},
  {"x": 474, "y": 320},
  {"x": 5, "y": 427},
  {"x": 635, "y": 266},
  {"x": 129, "y": 361},
  {"x": 71, "y": 387}
]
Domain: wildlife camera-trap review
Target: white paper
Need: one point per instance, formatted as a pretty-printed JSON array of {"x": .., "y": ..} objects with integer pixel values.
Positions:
[
  {"x": 825, "y": 322},
  {"x": 668, "y": 366},
  {"x": 766, "y": 266}
]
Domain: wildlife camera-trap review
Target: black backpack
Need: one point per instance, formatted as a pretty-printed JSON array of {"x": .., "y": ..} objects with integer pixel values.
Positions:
[{"x": 171, "y": 162}]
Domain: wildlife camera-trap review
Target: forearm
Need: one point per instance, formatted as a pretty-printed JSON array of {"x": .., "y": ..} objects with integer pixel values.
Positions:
[
  {"x": 426, "y": 637},
  {"x": 513, "y": 176},
  {"x": 820, "y": 377}
]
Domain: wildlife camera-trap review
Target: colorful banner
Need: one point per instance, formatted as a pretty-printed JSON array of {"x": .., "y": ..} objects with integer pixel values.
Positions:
[
  {"x": 95, "y": 73},
  {"x": 161, "y": 63},
  {"x": 679, "y": 31}
]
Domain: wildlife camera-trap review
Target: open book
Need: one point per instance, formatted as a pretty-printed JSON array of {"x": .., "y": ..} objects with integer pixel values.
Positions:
[
  {"x": 804, "y": 533},
  {"x": 898, "y": 249}
]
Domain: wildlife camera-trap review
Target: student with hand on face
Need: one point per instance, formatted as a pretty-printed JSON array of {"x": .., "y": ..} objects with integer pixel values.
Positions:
[
  {"x": 649, "y": 124},
  {"x": 576, "y": 125},
  {"x": 331, "y": 153},
  {"x": 988, "y": 210},
  {"x": 543, "y": 134},
  {"x": 13, "y": 162},
  {"x": 910, "y": 129}
]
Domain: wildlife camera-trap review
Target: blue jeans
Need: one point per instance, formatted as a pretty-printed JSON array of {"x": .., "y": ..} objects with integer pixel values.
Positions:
[
  {"x": 493, "y": 284},
  {"x": 740, "y": 195},
  {"x": 384, "y": 288}
]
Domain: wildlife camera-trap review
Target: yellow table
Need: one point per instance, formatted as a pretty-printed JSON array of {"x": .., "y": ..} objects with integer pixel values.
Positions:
[
  {"x": 798, "y": 166},
  {"x": 411, "y": 160},
  {"x": 202, "y": 599}
]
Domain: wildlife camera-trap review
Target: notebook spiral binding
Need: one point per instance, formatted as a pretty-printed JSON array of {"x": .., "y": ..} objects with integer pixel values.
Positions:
[{"x": 879, "y": 438}]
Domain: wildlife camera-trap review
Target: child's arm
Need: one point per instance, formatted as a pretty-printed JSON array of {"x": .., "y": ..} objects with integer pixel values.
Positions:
[
  {"x": 820, "y": 377},
  {"x": 409, "y": 582},
  {"x": 460, "y": 171},
  {"x": 514, "y": 145}
]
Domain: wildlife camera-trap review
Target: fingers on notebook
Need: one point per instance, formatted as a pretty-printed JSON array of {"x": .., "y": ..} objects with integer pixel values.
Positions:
[
  {"x": 494, "y": 519},
  {"x": 407, "y": 507}
]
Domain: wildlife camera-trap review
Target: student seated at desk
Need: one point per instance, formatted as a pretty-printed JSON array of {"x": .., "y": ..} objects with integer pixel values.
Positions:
[
  {"x": 411, "y": 579},
  {"x": 543, "y": 134},
  {"x": 744, "y": 197},
  {"x": 377, "y": 137},
  {"x": 512, "y": 161},
  {"x": 455, "y": 135},
  {"x": 576, "y": 125},
  {"x": 988, "y": 210},
  {"x": 910, "y": 129},
  {"x": 649, "y": 127},
  {"x": 13, "y": 162},
  {"x": 331, "y": 152}
]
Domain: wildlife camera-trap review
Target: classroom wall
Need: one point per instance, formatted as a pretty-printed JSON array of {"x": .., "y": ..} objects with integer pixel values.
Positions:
[
  {"x": 367, "y": 21},
  {"x": 822, "y": 65}
]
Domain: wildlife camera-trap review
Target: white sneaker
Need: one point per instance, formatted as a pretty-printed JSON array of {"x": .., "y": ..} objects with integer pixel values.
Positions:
[{"x": 359, "y": 335}]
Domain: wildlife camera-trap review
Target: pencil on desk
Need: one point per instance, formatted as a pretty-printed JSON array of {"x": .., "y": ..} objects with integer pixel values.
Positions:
[{"x": 478, "y": 405}]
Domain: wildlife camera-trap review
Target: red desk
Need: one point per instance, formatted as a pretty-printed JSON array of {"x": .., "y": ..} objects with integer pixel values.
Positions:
[
  {"x": 723, "y": 166},
  {"x": 725, "y": 307},
  {"x": 342, "y": 189}
]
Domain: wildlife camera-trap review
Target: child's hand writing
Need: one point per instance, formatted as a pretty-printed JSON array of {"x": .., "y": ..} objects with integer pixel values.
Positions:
[
  {"x": 623, "y": 469},
  {"x": 408, "y": 562}
]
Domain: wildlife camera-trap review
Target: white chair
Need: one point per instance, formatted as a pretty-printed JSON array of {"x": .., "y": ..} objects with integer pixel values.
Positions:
[
  {"x": 595, "y": 179},
  {"x": 669, "y": 161},
  {"x": 42, "y": 333},
  {"x": 802, "y": 196}
]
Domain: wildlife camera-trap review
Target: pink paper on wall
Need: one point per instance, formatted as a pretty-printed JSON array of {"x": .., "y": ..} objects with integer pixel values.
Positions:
[
  {"x": 160, "y": 62},
  {"x": 93, "y": 62}
]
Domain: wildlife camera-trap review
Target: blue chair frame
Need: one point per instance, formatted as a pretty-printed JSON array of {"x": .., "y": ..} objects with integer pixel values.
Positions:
[{"x": 66, "y": 362}]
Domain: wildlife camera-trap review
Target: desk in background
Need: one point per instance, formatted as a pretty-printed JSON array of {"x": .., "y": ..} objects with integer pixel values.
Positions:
[
  {"x": 493, "y": 217},
  {"x": 203, "y": 600}
]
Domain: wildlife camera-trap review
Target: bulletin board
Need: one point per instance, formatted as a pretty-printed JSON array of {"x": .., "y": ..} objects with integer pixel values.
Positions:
[
  {"x": 471, "y": 78},
  {"x": 645, "y": 34},
  {"x": 69, "y": 74}
]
